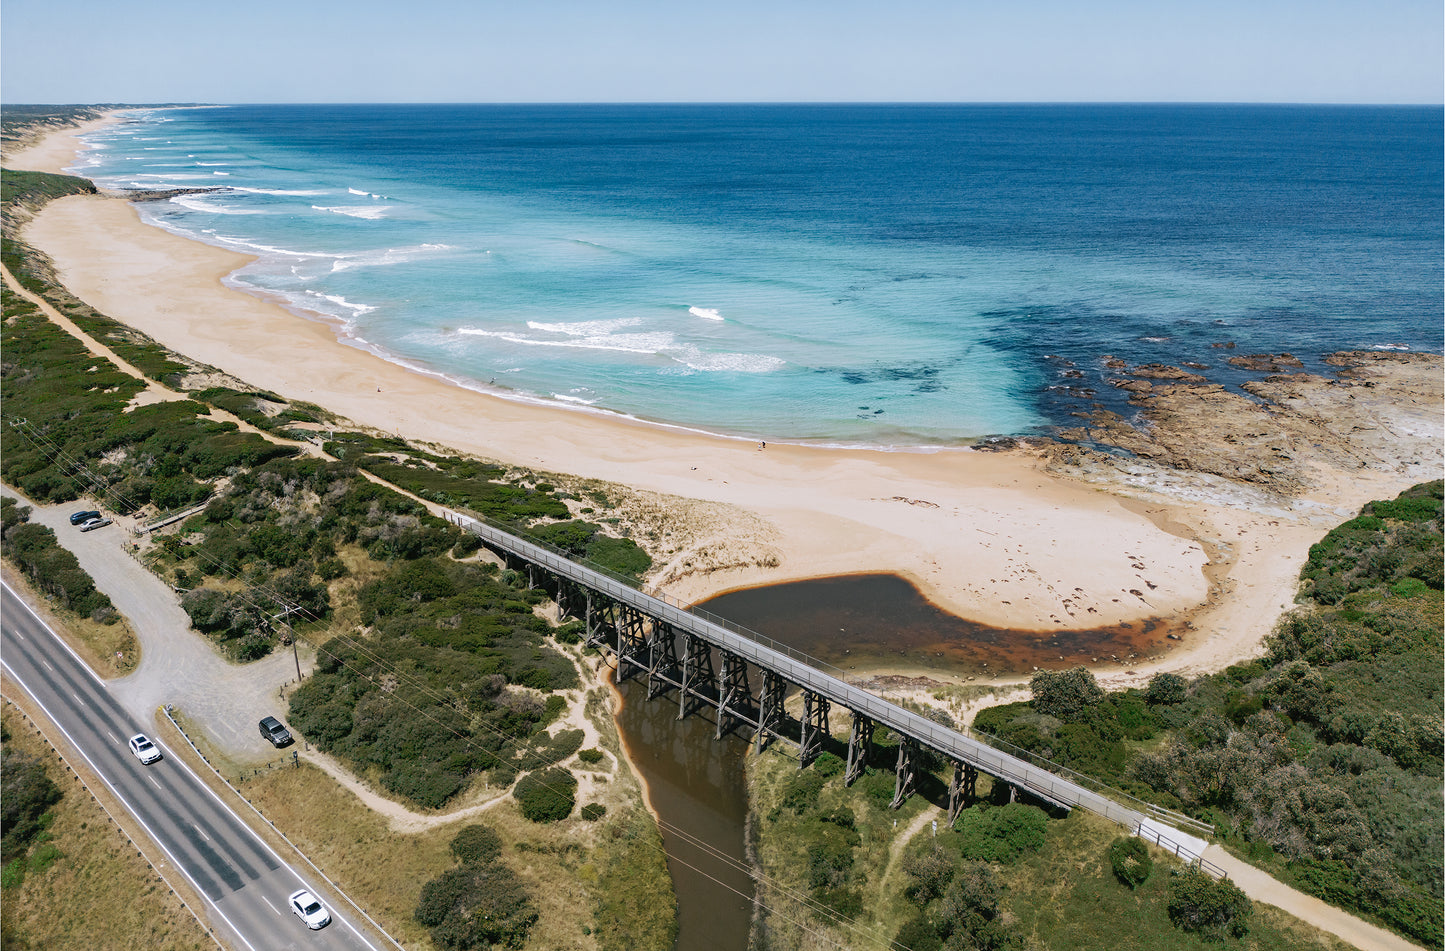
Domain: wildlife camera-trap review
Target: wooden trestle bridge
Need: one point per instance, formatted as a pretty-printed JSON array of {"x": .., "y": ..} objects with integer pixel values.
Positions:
[{"x": 674, "y": 646}]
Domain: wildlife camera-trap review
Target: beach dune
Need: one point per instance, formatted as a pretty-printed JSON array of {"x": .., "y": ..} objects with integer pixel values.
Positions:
[{"x": 993, "y": 537}]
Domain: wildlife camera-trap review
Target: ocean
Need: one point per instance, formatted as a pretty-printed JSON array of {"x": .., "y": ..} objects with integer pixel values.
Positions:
[{"x": 863, "y": 275}]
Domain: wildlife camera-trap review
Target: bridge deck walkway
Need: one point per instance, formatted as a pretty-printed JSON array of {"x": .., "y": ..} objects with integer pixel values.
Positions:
[{"x": 806, "y": 673}]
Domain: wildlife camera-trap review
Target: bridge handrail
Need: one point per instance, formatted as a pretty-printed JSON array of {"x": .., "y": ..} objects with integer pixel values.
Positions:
[{"x": 813, "y": 674}]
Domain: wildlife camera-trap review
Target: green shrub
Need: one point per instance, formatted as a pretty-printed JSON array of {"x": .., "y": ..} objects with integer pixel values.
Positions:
[
  {"x": 547, "y": 795},
  {"x": 1069, "y": 695},
  {"x": 476, "y": 906},
  {"x": 26, "y": 795},
  {"x": 593, "y": 811},
  {"x": 1130, "y": 859},
  {"x": 1000, "y": 833},
  {"x": 1215, "y": 909},
  {"x": 476, "y": 844},
  {"x": 592, "y": 755}
]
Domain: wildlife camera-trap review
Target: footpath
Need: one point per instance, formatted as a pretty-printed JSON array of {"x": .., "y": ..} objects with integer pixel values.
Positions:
[{"x": 180, "y": 667}]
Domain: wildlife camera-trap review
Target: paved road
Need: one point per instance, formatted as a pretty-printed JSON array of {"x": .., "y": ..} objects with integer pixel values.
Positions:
[
  {"x": 177, "y": 666},
  {"x": 244, "y": 882}
]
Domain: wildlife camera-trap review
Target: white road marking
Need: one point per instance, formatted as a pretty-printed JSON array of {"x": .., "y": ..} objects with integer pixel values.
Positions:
[
  {"x": 47, "y": 666},
  {"x": 112, "y": 736},
  {"x": 268, "y": 904},
  {"x": 198, "y": 829},
  {"x": 18, "y": 634},
  {"x": 154, "y": 783},
  {"x": 77, "y": 699}
]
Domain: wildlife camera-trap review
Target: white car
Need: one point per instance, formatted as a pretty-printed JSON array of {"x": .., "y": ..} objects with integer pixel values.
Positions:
[
  {"x": 93, "y": 524},
  {"x": 310, "y": 910},
  {"x": 144, "y": 750}
]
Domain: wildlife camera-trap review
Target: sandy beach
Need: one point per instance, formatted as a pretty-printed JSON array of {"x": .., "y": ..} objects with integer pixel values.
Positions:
[{"x": 993, "y": 536}]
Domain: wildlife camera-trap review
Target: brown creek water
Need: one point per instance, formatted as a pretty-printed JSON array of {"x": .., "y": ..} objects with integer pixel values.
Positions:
[{"x": 861, "y": 624}]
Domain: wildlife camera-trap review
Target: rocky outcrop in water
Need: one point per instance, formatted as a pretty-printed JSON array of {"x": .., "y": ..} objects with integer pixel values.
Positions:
[{"x": 1281, "y": 432}]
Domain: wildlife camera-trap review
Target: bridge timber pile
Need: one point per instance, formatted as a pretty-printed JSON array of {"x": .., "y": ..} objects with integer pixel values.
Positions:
[{"x": 673, "y": 645}]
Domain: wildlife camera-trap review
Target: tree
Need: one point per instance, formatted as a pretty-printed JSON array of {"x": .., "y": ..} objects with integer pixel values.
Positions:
[
  {"x": 1069, "y": 695},
  {"x": 1215, "y": 909}
]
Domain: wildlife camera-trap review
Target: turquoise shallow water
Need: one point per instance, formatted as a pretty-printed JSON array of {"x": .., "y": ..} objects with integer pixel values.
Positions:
[{"x": 874, "y": 275}]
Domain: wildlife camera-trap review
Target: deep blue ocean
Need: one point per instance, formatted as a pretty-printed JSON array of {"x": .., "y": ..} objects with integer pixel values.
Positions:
[{"x": 890, "y": 275}]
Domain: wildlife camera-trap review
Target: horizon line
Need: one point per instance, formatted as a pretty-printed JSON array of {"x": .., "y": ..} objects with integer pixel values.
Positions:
[{"x": 737, "y": 102}]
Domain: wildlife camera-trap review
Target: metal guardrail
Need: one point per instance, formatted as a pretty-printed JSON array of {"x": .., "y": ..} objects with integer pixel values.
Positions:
[
  {"x": 167, "y": 710},
  {"x": 830, "y": 682}
]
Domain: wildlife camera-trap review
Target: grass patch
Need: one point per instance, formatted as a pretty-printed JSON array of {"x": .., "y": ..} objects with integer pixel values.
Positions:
[
  {"x": 113, "y": 901},
  {"x": 110, "y": 650},
  {"x": 1067, "y": 896}
]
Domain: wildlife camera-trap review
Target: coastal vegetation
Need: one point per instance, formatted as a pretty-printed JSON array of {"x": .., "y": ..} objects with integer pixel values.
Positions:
[
  {"x": 437, "y": 671},
  {"x": 480, "y": 903},
  {"x": 1321, "y": 760},
  {"x": 61, "y": 851},
  {"x": 1007, "y": 875}
]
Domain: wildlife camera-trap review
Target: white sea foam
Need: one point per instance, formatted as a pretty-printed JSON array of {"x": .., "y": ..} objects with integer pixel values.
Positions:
[
  {"x": 345, "y": 262},
  {"x": 198, "y": 203},
  {"x": 370, "y": 212},
  {"x": 706, "y": 313},
  {"x": 644, "y": 343},
  {"x": 585, "y": 328},
  {"x": 604, "y": 335},
  {"x": 1389, "y": 346},
  {"x": 695, "y": 359},
  {"x": 568, "y": 398},
  {"x": 358, "y": 191},
  {"x": 220, "y": 173},
  {"x": 339, "y": 301},
  {"x": 299, "y": 193}
]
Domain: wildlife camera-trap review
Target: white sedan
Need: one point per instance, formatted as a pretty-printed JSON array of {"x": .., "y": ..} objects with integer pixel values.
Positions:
[
  {"x": 310, "y": 910},
  {"x": 144, "y": 750}
]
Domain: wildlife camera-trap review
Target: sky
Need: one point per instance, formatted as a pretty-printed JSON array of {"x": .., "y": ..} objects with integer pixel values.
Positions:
[{"x": 152, "y": 51}]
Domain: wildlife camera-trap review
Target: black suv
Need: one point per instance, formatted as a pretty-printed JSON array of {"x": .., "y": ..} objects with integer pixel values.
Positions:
[
  {"x": 273, "y": 730},
  {"x": 78, "y": 517}
]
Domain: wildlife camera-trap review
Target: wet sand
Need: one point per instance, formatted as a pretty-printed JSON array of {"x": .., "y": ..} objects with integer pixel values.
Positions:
[{"x": 994, "y": 537}]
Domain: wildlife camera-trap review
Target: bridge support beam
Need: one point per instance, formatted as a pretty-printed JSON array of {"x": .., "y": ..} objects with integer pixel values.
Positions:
[
  {"x": 631, "y": 641},
  {"x": 907, "y": 771},
  {"x": 661, "y": 659},
  {"x": 770, "y": 708},
  {"x": 697, "y": 673},
  {"x": 860, "y": 745},
  {"x": 732, "y": 685},
  {"x": 814, "y": 727},
  {"x": 962, "y": 790}
]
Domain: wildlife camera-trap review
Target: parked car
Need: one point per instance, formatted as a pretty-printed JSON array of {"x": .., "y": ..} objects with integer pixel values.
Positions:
[
  {"x": 273, "y": 730},
  {"x": 79, "y": 518},
  {"x": 93, "y": 524},
  {"x": 144, "y": 750},
  {"x": 310, "y": 910}
]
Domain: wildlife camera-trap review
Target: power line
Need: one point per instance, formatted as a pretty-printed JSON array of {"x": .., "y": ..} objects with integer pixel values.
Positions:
[{"x": 59, "y": 456}]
